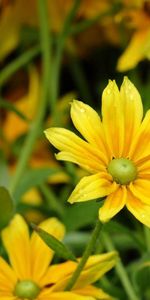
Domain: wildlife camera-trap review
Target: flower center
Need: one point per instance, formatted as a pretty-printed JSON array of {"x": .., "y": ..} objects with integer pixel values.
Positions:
[
  {"x": 122, "y": 170},
  {"x": 26, "y": 289}
]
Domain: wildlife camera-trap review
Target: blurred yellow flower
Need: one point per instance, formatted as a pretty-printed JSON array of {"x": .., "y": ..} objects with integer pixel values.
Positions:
[
  {"x": 30, "y": 276},
  {"x": 13, "y": 126},
  {"x": 18, "y": 14},
  {"x": 115, "y": 151},
  {"x": 137, "y": 14}
]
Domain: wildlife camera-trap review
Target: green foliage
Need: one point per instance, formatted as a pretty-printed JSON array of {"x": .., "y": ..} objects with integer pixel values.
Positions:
[
  {"x": 60, "y": 249},
  {"x": 6, "y": 207}
]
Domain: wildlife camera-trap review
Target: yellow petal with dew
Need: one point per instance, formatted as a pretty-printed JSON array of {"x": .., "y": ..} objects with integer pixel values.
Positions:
[
  {"x": 90, "y": 165},
  {"x": 92, "y": 187},
  {"x": 16, "y": 241},
  {"x": 133, "y": 111},
  {"x": 140, "y": 189},
  {"x": 113, "y": 204},
  {"x": 140, "y": 210},
  {"x": 88, "y": 123},
  {"x": 41, "y": 254},
  {"x": 140, "y": 146},
  {"x": 95, "y": 292},
  {"x": 8, "y": 277},
  {"x": 68, "y": 142},
  {"x": 113, "y": 119},
  {"x": 135, "y": 51}
]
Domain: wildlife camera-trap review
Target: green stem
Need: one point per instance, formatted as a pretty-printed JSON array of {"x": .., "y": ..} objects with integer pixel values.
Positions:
[
  {"x": 54, "y": 87},
  {"x": 120, "y": 270},
  {"x": 147, "y": 237},
  {"x": 51, "y": 199},
  {"x": 17, "y": 63},
  {"x": 37, "y": 122},
  {"x": 85, "y": 256},
  {"x": 80, "y": 78}
]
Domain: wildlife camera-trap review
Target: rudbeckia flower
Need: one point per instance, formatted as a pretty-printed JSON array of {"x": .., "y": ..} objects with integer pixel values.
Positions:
[
  {"x": 30, "y": 276},
  {"x": 137, "y": 14},
  {"x": 115, "y": 151}
]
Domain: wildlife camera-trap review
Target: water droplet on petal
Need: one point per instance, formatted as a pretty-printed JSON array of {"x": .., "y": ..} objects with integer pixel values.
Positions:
[
  {"x": 142, "y": 216},
  {"x": 108, "y": 91},
  {"x": 82, "y": 110}
]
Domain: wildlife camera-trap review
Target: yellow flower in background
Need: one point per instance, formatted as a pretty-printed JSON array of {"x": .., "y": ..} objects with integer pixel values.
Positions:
[
  {"x": 115, "y": 151},
  {"x": 18, "y": 14},
  {"x": 14, "y": 126},
  {"x": 137, "y": 14},
  {"x": 30, "y": 276}
]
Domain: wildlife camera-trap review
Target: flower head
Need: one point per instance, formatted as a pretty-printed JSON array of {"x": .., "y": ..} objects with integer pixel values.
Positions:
[
  {"x": 115, "y": 151},
  {"x": 30, "y": 276}
]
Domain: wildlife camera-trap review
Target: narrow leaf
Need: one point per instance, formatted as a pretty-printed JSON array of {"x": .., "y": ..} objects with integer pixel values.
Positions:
[
  {"x": 9, "y": 106},
  {"x": 6, "y": 207},
  {"x": 33, "y": 178},
  {"x": 60, "y": 249}
]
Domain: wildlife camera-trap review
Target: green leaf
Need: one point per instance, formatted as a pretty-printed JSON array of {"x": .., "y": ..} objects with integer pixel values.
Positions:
[
  {"x": 80, "y": 215},
  {"x": 121, "y": 230},
  {"x": 141, "y": 276},
  {"x": 33, "y": 178},
  {"x": 6, "y": 207},
  {"x": 54, "y": 244},
  {"x": 9, "y": 106}
]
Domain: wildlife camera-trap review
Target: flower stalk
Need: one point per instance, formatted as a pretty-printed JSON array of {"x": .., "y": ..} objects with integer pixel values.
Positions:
[
  {"x": 37, "y": 122},
  {"x": 85, "y": 256},
  {"x": 120, "y": 270}
]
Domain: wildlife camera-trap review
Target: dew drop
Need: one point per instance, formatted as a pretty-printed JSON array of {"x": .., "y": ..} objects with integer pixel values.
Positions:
[
  {"x": 108, "y": 91},
  {"x": 82, "y": 110},
  {"x": 142, "y": 216},
  {"x": 131, "y": 97}
]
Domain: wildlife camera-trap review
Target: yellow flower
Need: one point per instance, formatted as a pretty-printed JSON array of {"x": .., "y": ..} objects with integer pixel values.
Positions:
[
  {"x": 17, "y": 14},
  {"x": 30, "y": 276},
  {"x": 115, "y": 151},
  {"x": 138, "y": 18}
]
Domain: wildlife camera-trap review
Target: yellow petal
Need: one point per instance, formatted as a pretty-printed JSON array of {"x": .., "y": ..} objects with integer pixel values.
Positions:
[
  {"x": 91, "y": 165},
  {"x": 92, "y": 187},
  {"x": 8, "y": 277},
  {"x": 94, "y": 292},
  {"x": 2, "y": 296},
  {"x": 63, "y": 296},
  {"x": 135, "y": 51},
  {"x": 113, "y": 119},
  {"x": 16, "y": 241},
  {"x": 88, "y": 123},
  {"x": 140, "y": 210},
  {"x": 113, "y": 204},
  {"x": 140, "y": 189},
  {"x": 133, "y": 111},
  {"x": 41, "y": 254},
  {"x": 140, "y": 146},
  {"x": 95, "y": 268},
  {"x": 69, "y": 143}
]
